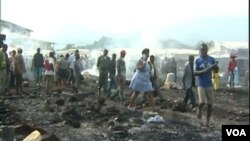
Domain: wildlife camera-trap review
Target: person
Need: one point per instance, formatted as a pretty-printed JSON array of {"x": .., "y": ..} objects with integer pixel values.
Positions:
[
  {"x": 37, "y": 66},
  {"x": 19, "y": 69},
  {"x": 231, "y": 77},
  {"x": 173, "y": 68},
  {"x": 112, "y": 73},
  {"x": 154, "y": 77},
  {"x": 3, "y": 69},
  {"x": 231, "y": 66},
  {"x": 49, "y": 66},
  {"x": 189, "y": 81},
  {"x": 140, "y": 82},
  {"x": 78, "y": 68},
  {"x": 103, "y": 64},
  {"x": 203, "y": 65},
  {"x": 72, "y": 58},
  {"x": 12, "y": 77},
  {"x": 121, "y": 74},
  {"x": 63, "y": 69},
  {"x": 216, "y": 78}
]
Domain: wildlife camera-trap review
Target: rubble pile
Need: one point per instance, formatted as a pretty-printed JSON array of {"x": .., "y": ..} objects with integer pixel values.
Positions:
[{"x": 64, "y": 115}]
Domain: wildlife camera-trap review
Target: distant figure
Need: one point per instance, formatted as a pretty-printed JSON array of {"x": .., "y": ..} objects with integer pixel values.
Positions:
[
  {"x": 140, "y": 81},
  {"x": 112, "y": 73},
  {"x": 216, "y": 78},
  {"x": 78, "y": 68},
  {"x": 203, "y": 65},
  {"x": 49, "y": 66},
  {"x": 173, "y": 68},
  {"x": 154, "y": 77},
  {"x": 72, "y": 58},
  {"x": 231, "y": 66},
  {"x": 19, "y": 69},
  {"x": 4, "y": 68},
  {"x": 103, "y": 65},
  {"x": 189, "y": 81},
  {"x": 121, "y": 74},
  {"x": 63, "y": 70},
  {"x": 12, "y": 76},
  {"x": 37, "y": 66}
]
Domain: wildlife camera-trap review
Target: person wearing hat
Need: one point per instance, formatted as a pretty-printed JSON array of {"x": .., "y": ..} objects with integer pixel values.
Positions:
[
  {"x": 203, "y": 65},
  {"x": 121, "y": 74},
  {"x": 19, "y": 69}
]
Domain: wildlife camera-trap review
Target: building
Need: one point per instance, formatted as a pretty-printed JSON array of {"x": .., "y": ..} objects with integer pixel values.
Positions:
[{"x": 18, "y": 36}]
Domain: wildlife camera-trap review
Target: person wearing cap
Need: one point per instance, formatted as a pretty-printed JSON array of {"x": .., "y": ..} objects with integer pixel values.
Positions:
[
  {"x": 19, "y": 69},
  {"x": 121, "y": 74},
  {"x": 203, "y": 65},
  {"x": 140, "y": 81}
]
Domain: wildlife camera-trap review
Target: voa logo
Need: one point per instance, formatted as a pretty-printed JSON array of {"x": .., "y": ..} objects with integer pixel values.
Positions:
[{"x": 236, "y": 132}]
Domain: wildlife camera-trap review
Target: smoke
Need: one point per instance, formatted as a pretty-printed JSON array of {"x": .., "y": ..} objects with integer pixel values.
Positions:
[{"x": 133, "y": 48}]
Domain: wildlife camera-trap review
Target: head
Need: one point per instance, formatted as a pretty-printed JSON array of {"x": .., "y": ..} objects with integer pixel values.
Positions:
[
  {"x": 38, "y": 50},
  {"x": 105, "y": 52},
  {"x": 152, "y": 58},
  {"x": 145, "y": 53},
  {"x": 67, "y": 56},
  {"x": 76, "y": 51},
  {"x": 51, "y": 54},
  {"x": 13, "y": 52},
  {"x": 203, "y": 50},
  {"x": 233, "y": 58},
  {"x": 123, "y": 53},
  {"x": 191, "y": 59},
  {"x": 19, "y": 50},
  {"x": 113, "y": 56}
]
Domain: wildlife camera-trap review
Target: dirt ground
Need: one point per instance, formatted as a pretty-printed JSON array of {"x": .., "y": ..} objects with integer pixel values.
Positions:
[{"x": 74, "y": 117}]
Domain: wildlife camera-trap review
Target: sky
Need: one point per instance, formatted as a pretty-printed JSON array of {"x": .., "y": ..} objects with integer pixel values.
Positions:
[{"x": 84, "y": 21}]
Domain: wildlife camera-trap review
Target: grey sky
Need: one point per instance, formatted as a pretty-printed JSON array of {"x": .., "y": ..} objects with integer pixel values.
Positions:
[{"x": 83, "y": 21}]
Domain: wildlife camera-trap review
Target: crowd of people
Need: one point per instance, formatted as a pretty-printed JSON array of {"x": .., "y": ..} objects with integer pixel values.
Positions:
[{"x": 66, "y": 70}]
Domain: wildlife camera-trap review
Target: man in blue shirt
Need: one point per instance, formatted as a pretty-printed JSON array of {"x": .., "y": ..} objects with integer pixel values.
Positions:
[{"x": 203, "y": 65}]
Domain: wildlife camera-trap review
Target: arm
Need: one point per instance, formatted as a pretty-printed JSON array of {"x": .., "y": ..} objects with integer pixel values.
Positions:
[
  {"x": 98, "y": 62},
  {"x": 210, "y": 68}
]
